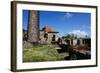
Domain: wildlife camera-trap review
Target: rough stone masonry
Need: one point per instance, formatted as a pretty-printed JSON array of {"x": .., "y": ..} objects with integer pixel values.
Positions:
[{"x": 33, "y": 28}]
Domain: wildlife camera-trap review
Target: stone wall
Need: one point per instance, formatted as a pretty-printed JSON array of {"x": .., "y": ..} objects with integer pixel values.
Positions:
[
  {"x": 42, "y": 39},
  {"x": 49, "y": 39},
  {"x": 76, "y": 42}
]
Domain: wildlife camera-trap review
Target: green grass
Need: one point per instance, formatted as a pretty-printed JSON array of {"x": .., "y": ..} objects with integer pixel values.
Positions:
[{"x": 40, "y": 53}]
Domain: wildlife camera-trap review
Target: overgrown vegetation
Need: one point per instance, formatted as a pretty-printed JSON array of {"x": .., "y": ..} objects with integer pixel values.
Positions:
[
  {"x": 41, "y": 53},
  {"x": 69, "y": 36}
]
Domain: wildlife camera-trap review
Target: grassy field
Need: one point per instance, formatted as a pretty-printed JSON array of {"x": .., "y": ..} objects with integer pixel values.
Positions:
[{"x": 41, "y": 53}]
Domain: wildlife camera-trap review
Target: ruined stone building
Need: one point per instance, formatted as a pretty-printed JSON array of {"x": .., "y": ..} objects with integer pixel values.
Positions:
[
  {"x": 79, "y": 41},
  {"x": 35, "y": 35},
  {"x": 48, "y": 35}
]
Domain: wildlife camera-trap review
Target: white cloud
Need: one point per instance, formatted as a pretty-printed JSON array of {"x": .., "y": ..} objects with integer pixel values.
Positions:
[
  {"x": 79, "y": 34},
  {"x": 68, "y": 15}
]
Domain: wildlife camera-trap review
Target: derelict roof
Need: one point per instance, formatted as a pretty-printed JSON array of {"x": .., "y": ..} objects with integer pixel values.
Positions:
[{"x": 49, "y": 29}]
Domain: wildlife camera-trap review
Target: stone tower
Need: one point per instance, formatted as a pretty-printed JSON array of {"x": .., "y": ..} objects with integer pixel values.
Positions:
[{"x": 33, "y": 28}]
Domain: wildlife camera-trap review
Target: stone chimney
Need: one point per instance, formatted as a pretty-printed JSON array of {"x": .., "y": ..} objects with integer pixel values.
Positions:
[{"x": 33, "y": 28}]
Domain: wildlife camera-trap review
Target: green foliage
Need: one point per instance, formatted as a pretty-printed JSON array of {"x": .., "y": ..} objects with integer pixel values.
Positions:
[
  {"x": 69, "y": 36},
  {"x": 41, "y": 53}
]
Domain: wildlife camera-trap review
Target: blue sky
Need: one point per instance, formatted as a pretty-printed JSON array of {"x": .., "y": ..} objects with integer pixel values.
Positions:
[
  {"x": 63, "y": 22},
  {"x": 25, "y": 18}
]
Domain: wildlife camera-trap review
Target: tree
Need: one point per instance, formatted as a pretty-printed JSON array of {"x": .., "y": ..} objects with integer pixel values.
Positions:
[{"x": 69, "y": 36}]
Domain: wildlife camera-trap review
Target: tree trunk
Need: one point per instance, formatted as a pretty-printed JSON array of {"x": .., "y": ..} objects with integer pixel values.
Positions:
[{"x": 33, "y": 28}]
